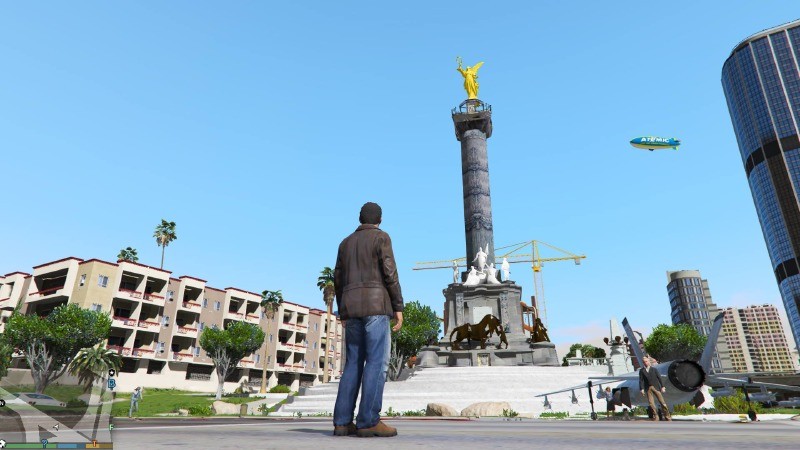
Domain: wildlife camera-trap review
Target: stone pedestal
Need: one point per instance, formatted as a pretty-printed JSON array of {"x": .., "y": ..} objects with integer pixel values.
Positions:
[{"x": 428, "y": 356}]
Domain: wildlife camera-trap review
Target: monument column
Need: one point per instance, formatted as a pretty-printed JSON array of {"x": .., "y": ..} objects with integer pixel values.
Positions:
[{"x": 473, "y": 126}]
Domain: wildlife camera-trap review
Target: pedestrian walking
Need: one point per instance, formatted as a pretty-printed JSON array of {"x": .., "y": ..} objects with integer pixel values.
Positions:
[{"x": 135, "y": 397}]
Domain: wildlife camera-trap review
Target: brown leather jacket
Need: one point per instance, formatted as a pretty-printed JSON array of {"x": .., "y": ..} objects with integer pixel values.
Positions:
[{"x": 366, "y": 275}]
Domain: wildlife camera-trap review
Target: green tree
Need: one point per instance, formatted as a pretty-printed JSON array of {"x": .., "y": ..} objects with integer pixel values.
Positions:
[
  {"x": 51, "y": 343},
  {"x": 325, "y": 284},
  {"x": 420, "y": 325},
  {"x": 671, "y": 342},
  {"x": 164, "y": 234},
  {"x": 229, "y": 346},
  {"x": 6, "y": 352},
  {"x": 587, "y": 351},
  {"x": 93, "y": 363},
  {"x": 128, "y": 254},
  {"x": 270, "y": 304}
]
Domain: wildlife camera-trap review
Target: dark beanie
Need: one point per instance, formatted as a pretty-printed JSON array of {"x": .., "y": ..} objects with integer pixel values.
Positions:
[{"x": 370, "y": 213}]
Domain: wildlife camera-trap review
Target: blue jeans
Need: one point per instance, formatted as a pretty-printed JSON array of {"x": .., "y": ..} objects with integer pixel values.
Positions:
[{"x": 368, "y": 345}]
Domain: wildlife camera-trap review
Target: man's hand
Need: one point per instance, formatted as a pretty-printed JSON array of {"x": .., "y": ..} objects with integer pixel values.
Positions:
[
  {"x": 398, "y": 321},
  {"x": 663, "y": 389},
  {"x": 641, "y": 391}
]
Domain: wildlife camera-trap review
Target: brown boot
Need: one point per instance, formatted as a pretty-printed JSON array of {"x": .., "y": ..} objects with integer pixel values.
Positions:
[
  {"x": 379, "y": 430},
  {"x": 347, "y": 430}
]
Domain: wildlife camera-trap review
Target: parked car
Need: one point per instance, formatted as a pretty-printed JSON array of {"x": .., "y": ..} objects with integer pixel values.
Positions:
[{"x": 35, "y": 399}]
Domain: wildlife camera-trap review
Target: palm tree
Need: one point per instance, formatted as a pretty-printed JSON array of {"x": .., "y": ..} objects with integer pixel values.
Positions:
[
  {"x": 92, "y": 363},
  {"x": 325, "y": 284},
  {"x": 270, "y": 303},
  {"x": 128, "y": 254},
  {"x": 164, "y": 234}
]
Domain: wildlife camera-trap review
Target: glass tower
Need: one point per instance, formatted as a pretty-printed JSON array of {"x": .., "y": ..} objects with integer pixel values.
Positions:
[{"x": 761, "y": 80}]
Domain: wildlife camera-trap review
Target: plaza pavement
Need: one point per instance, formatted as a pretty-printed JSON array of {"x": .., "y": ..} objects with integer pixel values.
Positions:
[{"x": 456, "y": 434}]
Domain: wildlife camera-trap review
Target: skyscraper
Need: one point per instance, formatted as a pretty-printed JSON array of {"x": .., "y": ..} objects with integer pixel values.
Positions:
[
  {"x": 756, "y": 340},
  {"x": 761, "y": 80},
  {"x": 690, "y": 300}
]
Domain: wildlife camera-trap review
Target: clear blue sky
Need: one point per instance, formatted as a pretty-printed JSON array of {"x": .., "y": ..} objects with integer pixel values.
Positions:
[{"x": 261, "y": 128}]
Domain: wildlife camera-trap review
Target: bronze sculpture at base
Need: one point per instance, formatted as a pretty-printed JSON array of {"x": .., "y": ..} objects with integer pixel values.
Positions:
[{"x": 481, "y": 331}]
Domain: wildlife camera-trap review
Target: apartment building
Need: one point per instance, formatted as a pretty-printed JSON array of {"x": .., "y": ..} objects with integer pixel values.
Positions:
[
  {"x": 157, "y": 320},
  {"x": 757, "y": 341}
]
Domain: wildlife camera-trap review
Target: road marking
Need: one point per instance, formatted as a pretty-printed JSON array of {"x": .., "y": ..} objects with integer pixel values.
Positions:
[{"x": 118, "y": 429}]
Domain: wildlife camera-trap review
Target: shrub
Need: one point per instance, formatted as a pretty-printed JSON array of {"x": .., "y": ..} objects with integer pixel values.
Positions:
[
  {"x": 280, "y": 389},
  {"x": 200, "y": 410},
  {"x": 391, "y": 412},
  {"x": 554, "y": 415},
  {"x": 685, "y": 409},
  {"x": 510, "y": 413},
  {"x": 734, "y": 404},
  {"x": 76, "y": 403},
  {"x": 412, "y": 412}
]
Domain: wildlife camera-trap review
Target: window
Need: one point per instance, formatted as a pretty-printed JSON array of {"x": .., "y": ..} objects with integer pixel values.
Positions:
[
  {"x": 269, "y": 359},
  {"x": 170, "y": 294},
  {"x": 315, "y": 345},
  {"x": 205, "y": 303},
  {"x": 83, "y": 279},
  {"x": 270, "y": 338},
  {"x": 96, "y": 307},
  {"x": 197, "y": 351},
  {"x": 258, "y": 359},
  {"x": 202, "y": 326},
  {"x": 316, "y": 327},
  {"x": 102, "y": 281},
  {"x": 166, "y": 321},
  {"x": 217, "y": 306},
  {"x": 313, "y": 364}
]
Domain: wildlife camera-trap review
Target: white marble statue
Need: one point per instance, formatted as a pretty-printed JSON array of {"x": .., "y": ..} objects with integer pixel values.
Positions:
[
  {"x": 506, "y": 267},
  {"x": 473, "y": 279},
  {"x": 481, "y": 258},
  {"x": 491, "y": 275},
  {"x": 455, "y": 272}
]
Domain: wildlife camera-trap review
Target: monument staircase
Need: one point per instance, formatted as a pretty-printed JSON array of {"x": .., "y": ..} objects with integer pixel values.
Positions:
[{"x": 461, "y": 386}]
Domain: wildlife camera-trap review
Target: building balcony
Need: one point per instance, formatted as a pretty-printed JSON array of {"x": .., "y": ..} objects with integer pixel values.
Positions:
[
  {"x": 182, "y": 357},
  {"x": 123, "y": 351},
  {"x": 249, "y": 363},
  {"x": 234, "y": 315},
  {"x": 123, "y": 322},
  {"x": 191, "y": 306},
  {"x": 291, "y": 367},
  {"x": 297, "y": 347},
  {"x": 46, "y": 293},
  {"x": 6, "y": 303},
  {"x": 143, "y": 353},
  {"x": 253, "y": 318},
  {"x": 187, "y": 331},
  {"x": 294, "y": 327},
  {"x": 139, "y": 295},
  {"x": 145, "y": 325}
]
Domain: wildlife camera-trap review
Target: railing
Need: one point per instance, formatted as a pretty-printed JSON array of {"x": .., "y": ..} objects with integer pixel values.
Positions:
[
  {"x": 143, "y": 352},
  {"x": 124, "y": 351},
  {"x": 45, "y": 292},
  {"x": 153, "y": 296},
  {"x": 131, "y": 293},
  {"x": 291, "y": 326},
  {"x": 186, "y": 330},
  {"x": 191, "y": 305},
  {"x": 247, "y": 363},
  {"x": 200, "y": 376},
  {"x": 291, "y": 367},
  {"x": 254, "y": 316},
  {"x": 125, "y": 321},
  {"x": 181, "y": 356},
  {"x": 587, "y": 361},
  {"x": 236, "y": 314},
  {"x": 146, "y": 324}
]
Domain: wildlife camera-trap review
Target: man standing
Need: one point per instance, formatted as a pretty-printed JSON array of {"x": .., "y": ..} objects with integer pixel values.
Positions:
[
  {"x": 135, "y": 397},
  {"x": 367, "y": 295},
  {"x": 650, "y": 382}
]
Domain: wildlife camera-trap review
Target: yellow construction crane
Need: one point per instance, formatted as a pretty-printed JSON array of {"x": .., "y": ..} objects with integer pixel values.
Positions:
[{"x": 513, "y": 253}]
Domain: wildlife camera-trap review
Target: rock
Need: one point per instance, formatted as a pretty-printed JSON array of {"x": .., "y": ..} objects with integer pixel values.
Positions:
[
  {"x": 440, "y": 410},
  {"x": 483, "y": 409},
  {"x": 183, "y": 412},
  {"x": 220, "y": 407}
]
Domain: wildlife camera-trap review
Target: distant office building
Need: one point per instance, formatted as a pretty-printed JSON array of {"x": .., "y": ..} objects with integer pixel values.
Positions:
[
  {"x": 761, "y": 80},
  {"x": 157, "y": 321},
  {"x": 690, "y": 300},
  {"x": 756, "y": 340}
]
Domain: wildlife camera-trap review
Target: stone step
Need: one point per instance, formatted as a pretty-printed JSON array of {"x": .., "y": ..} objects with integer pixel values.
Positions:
[{"x": 461, "y": 386}]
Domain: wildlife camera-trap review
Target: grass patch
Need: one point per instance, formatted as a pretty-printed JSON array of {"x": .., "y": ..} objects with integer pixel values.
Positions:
[
  {"x": 58, "y": 392},
  {"x": 159, "y": 401}
]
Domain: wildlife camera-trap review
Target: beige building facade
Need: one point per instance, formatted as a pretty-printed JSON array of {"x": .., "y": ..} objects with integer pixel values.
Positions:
[
  {"x": 757, "y": 340},
  {"x": 157, "y": 320}
]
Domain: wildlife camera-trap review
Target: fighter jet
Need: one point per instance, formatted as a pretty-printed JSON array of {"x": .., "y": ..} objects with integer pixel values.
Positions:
[{"x": 682, "y": 378}]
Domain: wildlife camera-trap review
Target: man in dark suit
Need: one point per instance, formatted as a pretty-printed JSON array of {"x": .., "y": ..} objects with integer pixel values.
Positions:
[{"x": 650, "y": 382}]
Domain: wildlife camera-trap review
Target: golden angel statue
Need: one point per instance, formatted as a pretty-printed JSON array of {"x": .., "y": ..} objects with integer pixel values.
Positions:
[{"x": 470, "y": 75}]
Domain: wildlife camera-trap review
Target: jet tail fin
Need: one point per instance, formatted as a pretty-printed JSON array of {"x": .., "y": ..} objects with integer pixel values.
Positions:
[
  {"x": 637, "y": 351},
  {"x": 711, "y": 343}
]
